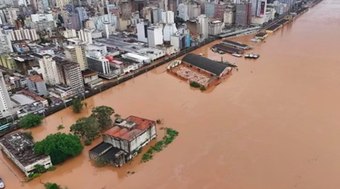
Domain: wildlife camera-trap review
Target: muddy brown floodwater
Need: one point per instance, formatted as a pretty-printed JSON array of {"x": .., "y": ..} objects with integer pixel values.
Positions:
[{"x": 274, "y": 124}]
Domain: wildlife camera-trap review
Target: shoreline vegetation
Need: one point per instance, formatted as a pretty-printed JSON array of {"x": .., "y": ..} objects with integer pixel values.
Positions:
[
  {"x": 170, "y": 135},
  {"x": 197, "y": 85}
]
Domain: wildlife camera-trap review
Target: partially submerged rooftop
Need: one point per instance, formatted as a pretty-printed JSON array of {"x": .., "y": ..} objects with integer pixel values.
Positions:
[
  {"x": 214, "y": 67},
  {"x": 129, "y": 128},
  {"x": 21, "y": 148}
]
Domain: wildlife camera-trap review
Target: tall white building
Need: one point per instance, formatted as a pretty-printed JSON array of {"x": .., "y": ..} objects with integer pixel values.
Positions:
[
  {"x": 22, "y": 34},
  {"x": 203, "y": 26},
  {"x": 229, "y": 15},
  {"x": 85, "y": 35},
  {"x": 5, "y": 102},
  {"x": 49, "y": 69},
  {"x": 155, "y": 35},
  {"x": 194, "y": 10},
  {"x": 5, "y": 42},
  {"x": 258, "y": 11},
  {"x": 183, "y": 11},
  {"x": 142, "y": 31}
]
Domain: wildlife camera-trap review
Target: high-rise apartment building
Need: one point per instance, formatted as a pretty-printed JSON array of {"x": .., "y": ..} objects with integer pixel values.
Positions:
[
  {"x": 202, "y": 25},
  {"x": 69, "y": 74},
  {"x": 49, "y": 69},
  {"x": 76, "y": 53},
  {"x": 5, "y": 102}
]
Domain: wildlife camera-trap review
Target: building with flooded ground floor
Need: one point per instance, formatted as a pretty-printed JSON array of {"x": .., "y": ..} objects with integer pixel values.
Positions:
[
  {"x": 123, "y": 141},
  {"x": 19, "y": 148},
  {"x": 212, "y": 67}
]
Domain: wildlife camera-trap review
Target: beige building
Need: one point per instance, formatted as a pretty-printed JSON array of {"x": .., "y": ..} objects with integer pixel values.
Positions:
[{"x": 76, "y": 53}]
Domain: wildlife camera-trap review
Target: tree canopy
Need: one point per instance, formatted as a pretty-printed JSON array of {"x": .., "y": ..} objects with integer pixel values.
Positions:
[
  {"x": 59, "y": 147},
  {"x": 86, "y": 128},
  {"x": 30, "y": 120},
  {"x": 103, "y": 116},
  {"x": 52, "y": 186},
  {"x": 77, "y": 105}
]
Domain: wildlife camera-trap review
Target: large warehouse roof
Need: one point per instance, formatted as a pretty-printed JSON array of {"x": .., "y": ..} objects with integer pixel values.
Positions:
[{"x": 211, "y": 66}]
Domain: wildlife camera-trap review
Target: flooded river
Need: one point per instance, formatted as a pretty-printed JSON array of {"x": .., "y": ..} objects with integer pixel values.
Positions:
[{"x": 274, "y": 124}]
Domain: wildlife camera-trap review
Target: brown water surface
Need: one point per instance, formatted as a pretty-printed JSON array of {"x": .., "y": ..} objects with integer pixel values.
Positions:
[{"x": 274, "y": 124}]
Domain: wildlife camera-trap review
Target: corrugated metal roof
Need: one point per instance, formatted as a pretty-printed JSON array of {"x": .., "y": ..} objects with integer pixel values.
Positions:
[{"x": 211, "y": 66}]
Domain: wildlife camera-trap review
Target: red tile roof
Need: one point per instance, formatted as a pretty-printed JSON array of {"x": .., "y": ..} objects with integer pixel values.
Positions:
[{"x": 124, "y": 133}]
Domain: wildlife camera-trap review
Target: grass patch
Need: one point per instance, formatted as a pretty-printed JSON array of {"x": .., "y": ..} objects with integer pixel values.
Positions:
[{"x": 170, "y": 135}]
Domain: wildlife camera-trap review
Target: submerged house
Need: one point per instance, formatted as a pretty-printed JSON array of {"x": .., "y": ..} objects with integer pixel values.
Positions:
[{"x": 123, "y": 141}]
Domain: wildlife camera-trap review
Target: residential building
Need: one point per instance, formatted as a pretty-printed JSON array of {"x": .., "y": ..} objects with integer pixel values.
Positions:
[
  {"x": 5, "y": 43},
  {"x": 123, "y": 141},
  {"x": 194, "y": 10},
  {"x": 19, "y": 149},
  {"x": 258, "y": 11},
  {"x": 242, "y": 14},
  {"x": 69, "y": 74},
  {"x": 202, "y": 24},
  {"x": 36, "y": 84},
  {"x": 215, "y": 27},
  {"x": 183, "y": 11},
  {"x": 49, "y": 68},
  {"x": 209, "y": 9},
  {"x": 5, "y": 102},
  {"x": 229, "y": 15},
  {"x": 76, "y": 53},
  {"x": 155, "y": 35},
  {"x": 142, "y": 31}
]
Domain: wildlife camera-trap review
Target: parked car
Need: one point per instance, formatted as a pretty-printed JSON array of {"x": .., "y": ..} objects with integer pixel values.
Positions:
[{"x": 2, "y": 184}]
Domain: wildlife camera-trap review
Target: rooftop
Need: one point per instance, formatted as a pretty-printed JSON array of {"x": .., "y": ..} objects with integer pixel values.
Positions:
[
  {"x": 130, "y": 128},
  {"x": 236, "y": 43},
  {"x": 211, "y": 66},
  {"x": 21, "y": 147},
  {"x": 36, "y": 78}
]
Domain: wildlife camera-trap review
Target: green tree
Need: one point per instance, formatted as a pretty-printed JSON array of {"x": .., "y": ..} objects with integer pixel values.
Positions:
[
  {"x": 77, "y": 105},
  {"x": 52, "y": 186},
  {"x": 40, "y": 168},
  {"x": 30, "y": 120},
  {"x": 59, "y": 147},
  {"x": 86, "y": 128},
  {"x": 103, "y": 116}
]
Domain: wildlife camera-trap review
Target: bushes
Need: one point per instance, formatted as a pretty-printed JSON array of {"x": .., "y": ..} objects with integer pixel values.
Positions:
[
  {"x": 197, "y": 85},
  {"x": 30, "y": 120},
  {"x": 194, "y": 84},
  {"x": 52, "y": 186},
  {"x": 170, "y": 135}
]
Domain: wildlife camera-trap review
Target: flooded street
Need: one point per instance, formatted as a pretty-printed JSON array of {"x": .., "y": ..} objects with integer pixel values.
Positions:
[{"x": 274, "y": 124}]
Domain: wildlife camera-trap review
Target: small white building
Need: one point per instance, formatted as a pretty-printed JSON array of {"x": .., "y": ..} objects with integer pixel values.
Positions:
[
  {"x": 136, "y": 58},
  {"x": 19, "y": 148}
]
